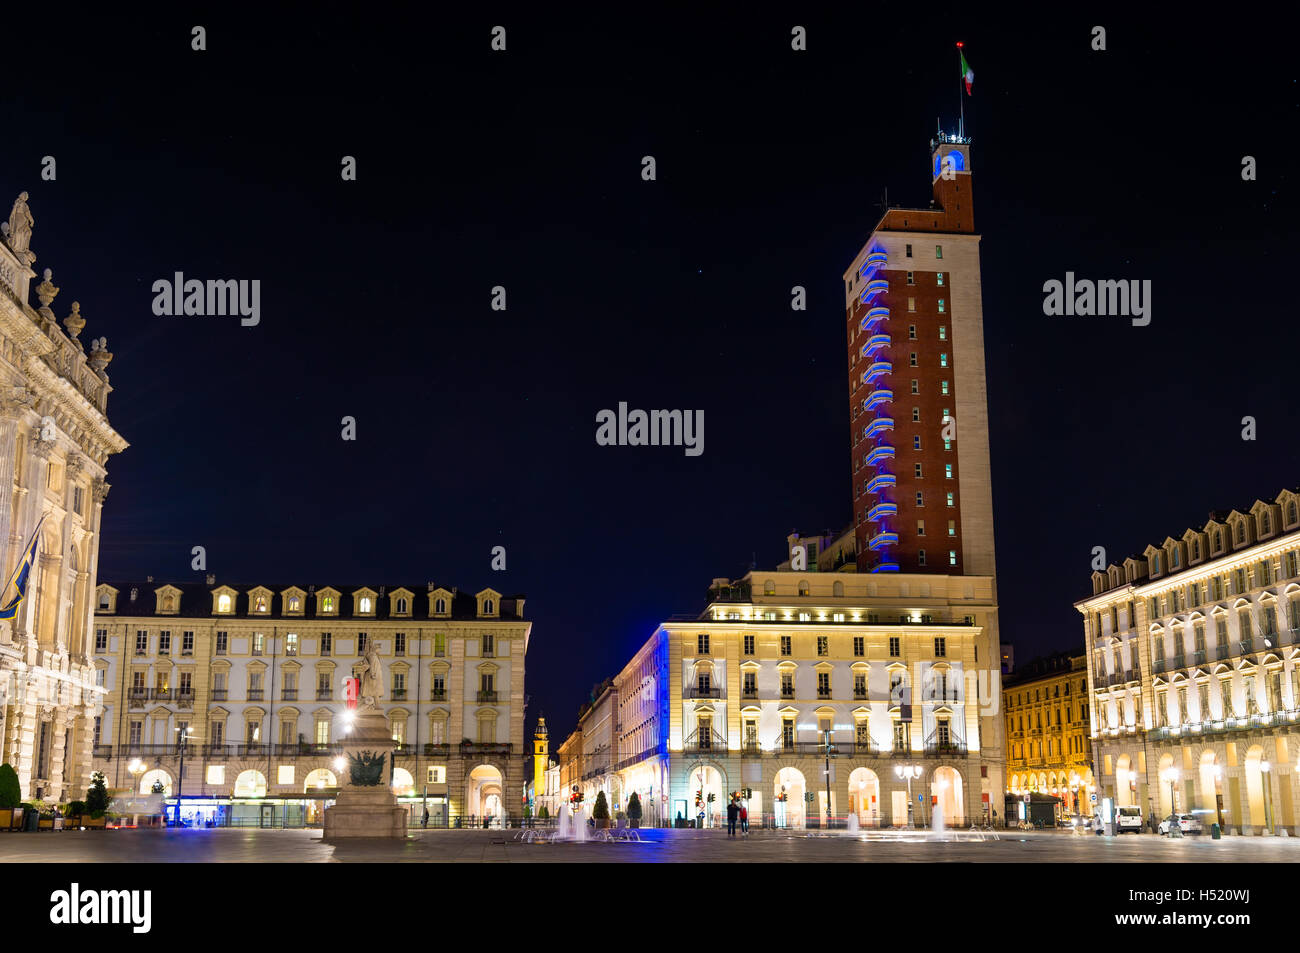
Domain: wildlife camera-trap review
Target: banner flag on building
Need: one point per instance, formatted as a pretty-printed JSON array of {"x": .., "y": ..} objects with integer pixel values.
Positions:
[
  {"x": 967, "y": 73},
  {"x": 17, "y": 584}
]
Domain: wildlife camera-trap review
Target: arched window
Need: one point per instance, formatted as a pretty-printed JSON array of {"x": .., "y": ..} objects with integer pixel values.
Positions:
[
  {"x": 261, "y": 603},
  {"x": 769, "y": 588},
  {"x": 1241, "y": 531},
  {"x": 838, "y": 589},
  {"x": 401, "y": 605},
  {"x": 1218, "y": 541},
  {"x": 440, "y": 606},
  {"x": 327, "y": 604},
  {"x": 223, "y": 603},
  {"x": 803, "y": 588},
  {"x": 365, "y": 603},
  {"x": 293, "y": 603},
  {"x": 487, "y": 606}
]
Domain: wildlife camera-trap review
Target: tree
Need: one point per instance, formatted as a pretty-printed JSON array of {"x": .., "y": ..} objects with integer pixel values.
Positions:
[
  {"x": 543, "y": 813},
  {"x": 11, "y": 792},
  {"x": 97, "y": 796},
  {"x": 601, "y": 810},
  {"x": 634, "y": 807}
]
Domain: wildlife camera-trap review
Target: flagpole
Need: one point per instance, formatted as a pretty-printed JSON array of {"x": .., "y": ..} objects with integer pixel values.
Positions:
[{"x": 961, "y": 102}]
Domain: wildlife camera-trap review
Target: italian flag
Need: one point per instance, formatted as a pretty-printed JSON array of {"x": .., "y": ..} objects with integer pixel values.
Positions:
[{"x": 967, "y": 73}]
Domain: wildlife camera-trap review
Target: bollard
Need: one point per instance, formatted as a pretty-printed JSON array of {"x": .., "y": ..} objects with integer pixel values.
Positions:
[{"x": 1215, "y": 833}]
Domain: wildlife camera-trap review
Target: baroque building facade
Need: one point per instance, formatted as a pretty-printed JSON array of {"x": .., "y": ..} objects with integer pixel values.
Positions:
[
  {"x": 1049, "y": 749},
  {"x": 55, "y": 441},
  {"x": 255, "y": 676},
  {"x": 783, "y": 669},
  {"x": 1193, "y": 649}
]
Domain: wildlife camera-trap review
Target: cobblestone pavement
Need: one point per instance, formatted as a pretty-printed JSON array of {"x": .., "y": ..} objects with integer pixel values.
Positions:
[{"x": 670, "y": 846}]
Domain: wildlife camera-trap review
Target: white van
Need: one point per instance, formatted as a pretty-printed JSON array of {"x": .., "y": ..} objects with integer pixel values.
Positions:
[{"x": 1128, "y": 819}]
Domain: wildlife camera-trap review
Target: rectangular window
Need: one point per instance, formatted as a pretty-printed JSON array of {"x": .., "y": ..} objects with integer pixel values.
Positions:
[
  {"x": 439, "y": 687},
  {"x": 947, "y": 471},
  {"x": 911, "y": 332},
  {"x": 920, "y": 557},
  {"x": 437, "y": 775},
  {"x": 859, "y": 686},
  {"x": 323, "y": 688},
  {"x": 943, "y": 332},
  {"x": 785, "y": 645},
  {"x": 101, "y": 640},
  {"x": 909, "y": 252},
  {"x": 749, "y": 683},
  {"x": 259, "y": 642},
  {"x": 133, "y": 734},
  {"x": 895, "y": 646},
  {"x": 916, "y": 415},
  {"x": 749, "y": 645},
  {"x": 76, "y": 500},
  {"x": 952, "y": 557},
  {"x": 942, "y": 307},
  {"x": 439, "y": 645},
  {"x": 920, "y": 498},
  {"x": 787, "y": 733},
  {"x": 940, "y": 646},
  {"x": 938, "y": 251},
  {"x": 291, "y": 643},
  {"x": 938, "y": 277},
  {"x": 911, "y": 278},
  {"x": 187, "y": 683},
  {"x": 488, "y": 646},
  {"x": 902, "y": 741},
  {"x": 141, "y": 642},
  {"x": 920, "y": 527},
  {"x": 98, "y": 727},
  {"x": 916, "y": 469},
  {"x": 702, "y": 644},
  {"x": 859, "y": 646},
  {"x": 951, "y": 495},
  {"x": 399, "y": 643},
  {"x": 823, "y": 645},
  {"x": 361, "y": 643},
  {"x": 916, "y": 387},
  {"x": 787, "y": 685},
  {"x": 943, "y": 387},
  {"x": 916, "y": 443},
  {"x": 952, "y": 527},
  {"x": 823, "y": 684},
  {"x": 911, "y": 304},
  {"x": 399, "y": 686},
  {"x": 187, "y": 643},
  {"x": 326, "y": 643}
]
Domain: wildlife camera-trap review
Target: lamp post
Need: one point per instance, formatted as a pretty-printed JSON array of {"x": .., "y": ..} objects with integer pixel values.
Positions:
[
  {"x": 1218, "y": 794},
  {"x": 182, "y": 739},
  {"x": 1265, "y": 768},
  {"x": 1171, "y": 775},
  {"x": 828, "y": 779},
  {"x": 137, "y": 768},
  {"x": 908, "y": 771}
]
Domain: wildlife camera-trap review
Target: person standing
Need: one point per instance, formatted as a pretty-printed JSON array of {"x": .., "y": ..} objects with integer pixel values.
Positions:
[
  {"x": 424, "y": 821},
  {"x": 733, "y": 812},
  {"x": 744, "y": 820}
]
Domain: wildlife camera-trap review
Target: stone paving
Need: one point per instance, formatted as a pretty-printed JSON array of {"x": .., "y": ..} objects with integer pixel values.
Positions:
[{"x": 657, "y": 846}]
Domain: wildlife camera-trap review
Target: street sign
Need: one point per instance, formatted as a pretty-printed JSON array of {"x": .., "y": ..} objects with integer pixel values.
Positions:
[{"x": 1094, "y": 798}]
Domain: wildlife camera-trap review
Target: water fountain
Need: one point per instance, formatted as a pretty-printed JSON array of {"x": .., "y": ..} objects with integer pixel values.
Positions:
[
  {"x": 936, "y": 821},
  {"x": 565, "y": 823},
  {"x": 852, "y": 824}
]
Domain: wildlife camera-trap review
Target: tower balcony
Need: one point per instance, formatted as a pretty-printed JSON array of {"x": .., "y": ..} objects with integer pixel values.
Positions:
[
  {"x": 878, "y": 398},
  {"x": 885, "y": 565},
  {"x": 875, "y": 343},
  {"x": 878, "y": 426},
  {"x": 882, "y": 511},
  {"x": 883, "y": 539},
  {"x": 876, "y": 286},
  {"x": 873, "y": 318},
  {"x": 881, "y": 453},
  {"x": 882, "y": 481},
  {"x": 874, "y": 261},
  {"x": 876, "y": 371}
]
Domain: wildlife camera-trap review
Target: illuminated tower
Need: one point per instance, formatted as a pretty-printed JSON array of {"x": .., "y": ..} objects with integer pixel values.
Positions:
[
  {"x": 922, "y": 500},
  {"x": 541, "y": 758}
]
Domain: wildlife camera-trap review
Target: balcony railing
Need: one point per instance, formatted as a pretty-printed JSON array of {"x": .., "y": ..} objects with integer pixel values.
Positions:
[
  {"x": 1179, "y": 662},
  {"x": 255, "y": 694},
  {"x": 324, "y": 694},
  {"x": 103, "y": 752},
  {"x": 748, "y": 693},
  {"x": 475, "y": 748},
  {"x": 1222, "y": 652},
  {"x": 487, "y": 697},
  {"x": 399, "y": 694},
  {"x": 185, "y": 699},
  {"x": 438, "y": 696},
  {"x": 220, "y": 694},
  {"x": 949, "y": 695},
  {"x": 697, "y": 691},
  {"x": 436, "y": 750},
  {"x": 289, "y": 695},
  {"x": 709, "y": 740},
  {"x": 1158, "y": 665},
  {"x": 943, "y": 748},
  {"x": 1246, "y": 646}
]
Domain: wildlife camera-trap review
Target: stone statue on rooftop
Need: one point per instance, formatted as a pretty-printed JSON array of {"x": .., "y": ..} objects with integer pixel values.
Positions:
[{"x": 20, "y": 224}]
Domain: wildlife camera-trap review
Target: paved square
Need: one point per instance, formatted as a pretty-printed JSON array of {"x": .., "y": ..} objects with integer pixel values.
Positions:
[{"x": 657, "y": 846}]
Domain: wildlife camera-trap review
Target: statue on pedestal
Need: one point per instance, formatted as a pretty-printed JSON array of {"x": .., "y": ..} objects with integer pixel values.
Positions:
[{"x": 372, "y": 677}]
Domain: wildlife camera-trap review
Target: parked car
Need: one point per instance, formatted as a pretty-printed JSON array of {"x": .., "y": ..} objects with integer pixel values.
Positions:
[
  {"x": 1187, "y": 823},
  {"x": 1128, "y": 819}
]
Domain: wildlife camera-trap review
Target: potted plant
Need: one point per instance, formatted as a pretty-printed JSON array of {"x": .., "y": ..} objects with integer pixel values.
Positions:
[
  {"x": 600, "y": 811},
  {"x": 96, "y": 802},
  {"x": 634, "y": 809},
  {"x": 11, "y": 797},
  {"x": 543, "y": 814}
]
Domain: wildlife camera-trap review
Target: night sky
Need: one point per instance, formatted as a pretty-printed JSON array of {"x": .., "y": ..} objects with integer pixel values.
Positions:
[{"x": 476, "y": 428}]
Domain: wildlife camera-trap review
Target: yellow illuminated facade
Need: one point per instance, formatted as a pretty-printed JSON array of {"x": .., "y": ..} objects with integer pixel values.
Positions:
[
  {"x": 1047, "y": 731},
  {"x": 1192, "y": 671}
]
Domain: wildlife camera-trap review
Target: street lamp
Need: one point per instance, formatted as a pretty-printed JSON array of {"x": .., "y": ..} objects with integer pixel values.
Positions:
[
  {"x": 1171, "y": 775},
  {"x": 182, "y": 739},
  {"x": 908, "y": 771},
  {"x": 1218, "y": 794},
  {"x": 1265, "y": 767}
]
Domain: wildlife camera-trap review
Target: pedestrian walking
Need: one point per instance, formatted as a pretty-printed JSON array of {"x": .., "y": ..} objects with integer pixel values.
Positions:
[
  {"x": 744, "y": 820},
  {"x": 733, "y": 812}
]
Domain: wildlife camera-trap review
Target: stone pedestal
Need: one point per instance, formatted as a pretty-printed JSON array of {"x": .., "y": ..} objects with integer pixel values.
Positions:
[{"x": 361, "y": 810}]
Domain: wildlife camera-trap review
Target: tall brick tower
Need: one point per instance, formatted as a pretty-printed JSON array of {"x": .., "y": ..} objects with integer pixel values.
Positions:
[{"x": 922, "y": 501}]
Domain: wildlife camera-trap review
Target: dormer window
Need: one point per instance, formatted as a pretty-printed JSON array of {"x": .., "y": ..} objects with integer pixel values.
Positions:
[
  {"x": 440, "y": 606},
  {"x": 327, "y": 604},
  {"x": 1155, "y": 563},
  {"x": 365, "y": 603},
  {"x": 1265, "y": 525},
  {"x": 261, "y": 604},
  {"x": 1173, "y": 558},
  {"x": 1241, "y": 532},
  {"x": 294, "y": 603},
  {"x": 487, "y": 607},
  {"x": 103, "y": 600},
  {"x": 223, "y": 603},
  {"x": 401, "y": 607}
]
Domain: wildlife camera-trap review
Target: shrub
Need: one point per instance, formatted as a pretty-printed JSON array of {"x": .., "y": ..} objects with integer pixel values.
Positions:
[
  {"x": 634, "y": 807},
  {"x": 11, "y": 793},
  {"x": 543, "y": 813},
  {"x": 97, "y": 796},
  {"x": 76, "y": 808},
  {"x": 601, "y": 810}
]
